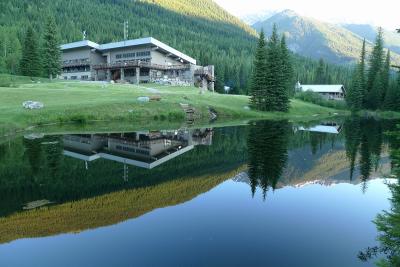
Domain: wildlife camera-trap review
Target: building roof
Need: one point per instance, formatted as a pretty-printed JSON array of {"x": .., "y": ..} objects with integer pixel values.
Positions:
[
  {"x": 128, "y": 43},
  {"x": 322, "y": 129},
  {"x": 337, "y": 88},
  {"x": 84, "y": 43}
]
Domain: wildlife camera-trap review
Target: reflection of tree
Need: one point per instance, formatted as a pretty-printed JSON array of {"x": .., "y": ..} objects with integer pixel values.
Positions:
[
  {"x": 317, "y": 140},
  {"x": 33, "y": 151},
  {"x": 388, "y": 223},
  {"x": 352, "y": 133},
  {"x": 53, "y": 149},
  {"x": 267, "y": 148},
  {"x": 363, "y": 137}
]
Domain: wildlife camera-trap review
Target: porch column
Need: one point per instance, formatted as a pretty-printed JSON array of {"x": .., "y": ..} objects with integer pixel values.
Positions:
[
  {"x": 122, "y": 74},
  {"x": 137, "y": 75},
  {"x": 108, "y": 75}
]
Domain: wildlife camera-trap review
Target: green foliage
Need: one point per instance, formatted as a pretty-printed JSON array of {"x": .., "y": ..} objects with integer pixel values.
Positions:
[
  {"x": 356, "y": 93},
  {"x": 272, "y": 74},
  {"x": 320, "y": 76},
  {"x": 258, "y": 83},
  {"x": 30, "y": 61},
  {"x": 373, "y": 95},
  {"x": 51, "y": 50}
]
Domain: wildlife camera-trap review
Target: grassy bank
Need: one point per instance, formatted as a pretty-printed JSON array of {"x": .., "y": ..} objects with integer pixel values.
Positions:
[{"x": 89, "y": 101}]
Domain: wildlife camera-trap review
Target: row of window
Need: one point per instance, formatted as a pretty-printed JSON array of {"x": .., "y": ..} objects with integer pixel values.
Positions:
[
  {"x": 133, "y": 150},
  {"x": 76, "y": 69},
  {"x": 133, "y": 54},
  {"x": 77, "y": 61},
  {"x": 83, "y": 77}
]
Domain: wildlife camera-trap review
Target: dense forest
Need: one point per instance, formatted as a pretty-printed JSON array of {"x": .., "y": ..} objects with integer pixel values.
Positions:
[{"x": 200, "y": 29}]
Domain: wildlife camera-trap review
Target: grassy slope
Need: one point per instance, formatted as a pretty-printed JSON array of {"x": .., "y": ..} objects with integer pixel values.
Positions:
[
  {"x": 106, "y": 209},
  {"x": 82, "y": 101}
]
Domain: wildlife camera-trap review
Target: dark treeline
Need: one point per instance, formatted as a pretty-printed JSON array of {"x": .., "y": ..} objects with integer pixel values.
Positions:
[
  {"x": 387, "y": 253},
  {"x": 39, "y": 170},
  {"x": 374, "y": 84},
  {"x": 203, "y": 31}
]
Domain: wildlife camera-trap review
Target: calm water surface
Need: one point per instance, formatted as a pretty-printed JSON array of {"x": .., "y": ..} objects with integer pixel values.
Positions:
[{"x": 271, "y": 193}]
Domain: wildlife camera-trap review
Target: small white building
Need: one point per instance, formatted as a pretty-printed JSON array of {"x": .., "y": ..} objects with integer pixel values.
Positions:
[{"x": 331, "y": 92}]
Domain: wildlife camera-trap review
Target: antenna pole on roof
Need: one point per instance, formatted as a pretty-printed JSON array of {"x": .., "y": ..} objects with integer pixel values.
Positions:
[{"x": 126, "y": 28}]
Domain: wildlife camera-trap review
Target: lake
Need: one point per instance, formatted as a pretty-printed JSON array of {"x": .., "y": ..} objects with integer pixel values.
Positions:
[{"x": 269, "y": 193}]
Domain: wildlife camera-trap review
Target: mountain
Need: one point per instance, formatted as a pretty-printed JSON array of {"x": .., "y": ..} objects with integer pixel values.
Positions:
[
  {"x": 199, "y": 28},
  {"x": 251, "y": 19},
  {"x": 369, "y": 32},
  {"x": 312, "y": 38}
]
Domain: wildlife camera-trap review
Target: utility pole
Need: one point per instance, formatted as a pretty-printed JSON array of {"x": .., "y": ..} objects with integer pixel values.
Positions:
[{"x": 126, "y": 30}]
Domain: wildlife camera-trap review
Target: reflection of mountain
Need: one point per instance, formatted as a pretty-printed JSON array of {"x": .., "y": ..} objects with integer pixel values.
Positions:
[
  {"x": 327, "y": 167},
  {"x": 107, "y": 209}
]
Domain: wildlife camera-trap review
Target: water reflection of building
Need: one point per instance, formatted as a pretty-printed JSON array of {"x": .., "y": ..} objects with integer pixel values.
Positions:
[
  {"x": 146, "y": 149},
  {"x": 328, "y": 127}
]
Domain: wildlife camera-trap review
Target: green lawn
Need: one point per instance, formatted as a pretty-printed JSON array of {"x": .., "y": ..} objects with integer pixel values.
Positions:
[{"x": 90, "y": 101}]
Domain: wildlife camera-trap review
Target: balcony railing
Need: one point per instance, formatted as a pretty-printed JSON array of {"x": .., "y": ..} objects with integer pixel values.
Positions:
[{"x": 140, "y": 64}]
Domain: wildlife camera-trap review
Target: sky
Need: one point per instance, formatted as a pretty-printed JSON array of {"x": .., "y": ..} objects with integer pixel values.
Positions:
[{"x": 385, "y": 13}]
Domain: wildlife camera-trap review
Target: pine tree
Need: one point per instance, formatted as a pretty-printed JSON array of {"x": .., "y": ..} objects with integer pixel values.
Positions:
[
  {"x": 320, "y": 73},
  {"x": 52, "y": 53},
  {"x": 356, "y": 93},
  {"x": 258, "y": 82},
  {"x": 276, "y": 95},
  {"x": 373, "y": 100},
  {"x": 287, "y": 67},
  {"x": 30, "y": 61},
  {"x": 375, "y": 67},
  {"x": 385, "y": 77}
]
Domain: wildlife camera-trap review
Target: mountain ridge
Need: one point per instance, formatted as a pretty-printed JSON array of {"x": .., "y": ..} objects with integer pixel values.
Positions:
[{"x": 316, "y": 39}]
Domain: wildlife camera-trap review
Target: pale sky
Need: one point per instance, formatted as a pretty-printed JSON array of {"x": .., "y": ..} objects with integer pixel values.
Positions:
[{"x": 385, "y": 13}]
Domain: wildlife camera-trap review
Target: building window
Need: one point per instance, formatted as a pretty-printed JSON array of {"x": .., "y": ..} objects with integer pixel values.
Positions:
[
  {"x": 74, "y": 77},
  {"x": 85, "y": 77}
]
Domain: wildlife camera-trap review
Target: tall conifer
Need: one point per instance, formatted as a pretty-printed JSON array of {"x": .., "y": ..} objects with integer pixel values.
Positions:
[
  {"x": 30, "y": 61},
  {"x": 356, "y": 93},
  {"x": 276, "y": 95},
  {"x": 258, "y": 83},
  {"x": 375, "y": 67},
  {"x": 287, "y": 67},
  {"x": 51, "y": 50}
]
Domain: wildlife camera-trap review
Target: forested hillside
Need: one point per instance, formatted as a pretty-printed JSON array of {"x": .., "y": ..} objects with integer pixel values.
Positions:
[
  {"x": 199, "y": 28},
  {"x": 312, "y": 38}
]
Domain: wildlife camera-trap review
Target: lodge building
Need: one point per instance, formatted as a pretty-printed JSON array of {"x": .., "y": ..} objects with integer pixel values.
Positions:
[
  {"x": 133, "y": 61},
  {"x": 330, "y": 92}
]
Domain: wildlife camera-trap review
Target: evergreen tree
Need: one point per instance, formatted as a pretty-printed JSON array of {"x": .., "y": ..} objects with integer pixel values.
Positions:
[
  {"x": 373, "y": 100},
  {"x": 320, "y": 73},
  {"x": 375, "y": 68},
  {"x": 30, "y": 61},
  {"x": 287, "y": 67},
  {"x": 258, "y": 83},
  {"x": 356, "y": 93},
  {"x": 51, "y": 53},
  {"x": 276, "y": 95},
  {"x": 385, "y": 77}
]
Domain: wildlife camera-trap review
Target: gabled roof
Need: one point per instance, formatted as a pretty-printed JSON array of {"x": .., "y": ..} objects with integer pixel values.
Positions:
[
  {"x": 129, "y": 43},
  {"x": 84, "y": 43},
  {"x": 337, "y": 88}
]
